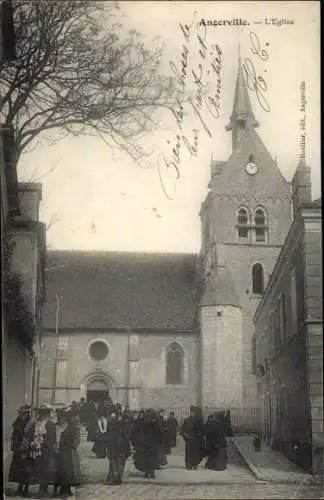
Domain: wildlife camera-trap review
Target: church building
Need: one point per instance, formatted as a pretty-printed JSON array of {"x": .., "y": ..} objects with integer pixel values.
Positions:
[{"x": 171, "y": 330}]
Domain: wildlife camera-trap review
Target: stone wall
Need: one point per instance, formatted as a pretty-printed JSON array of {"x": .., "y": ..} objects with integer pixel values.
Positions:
[
  {"x": 221, "y": 356},
  {"x": 314, "y": 340},
  {"x": 147, "y": 378},
  {"x": 17, "y": 377},
  {"x": 291, "y": 344},
  {"x": 240, "y": 259}
]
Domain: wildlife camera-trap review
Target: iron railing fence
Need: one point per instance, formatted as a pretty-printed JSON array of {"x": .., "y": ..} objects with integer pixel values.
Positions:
[{"x": 243, "y": 420}]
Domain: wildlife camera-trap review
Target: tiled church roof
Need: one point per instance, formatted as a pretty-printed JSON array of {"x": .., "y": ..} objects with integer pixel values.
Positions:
[{"x": 120, "y": 290}]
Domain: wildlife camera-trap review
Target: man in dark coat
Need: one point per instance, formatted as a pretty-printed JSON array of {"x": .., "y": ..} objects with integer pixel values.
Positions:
[
  {"x": 191, "y": 431},
  {"x": 47, "y": 465},
  {"x": 164, "y": 448},
  {"x": 117, "y": 440},
  {"x": 91, "y": 421},
  {"x": 228, "y": 424},
  {"x": 127, "y": 426},
  {"x": 83, "y": 411},
  {"x": 173, "y": 428}
]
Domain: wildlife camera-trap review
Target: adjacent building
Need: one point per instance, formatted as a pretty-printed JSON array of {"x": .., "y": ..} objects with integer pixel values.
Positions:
[
  {"x": 170, "y": 329},
  {"x": 289, "y": 336},
  {"x": 22, "y": 265}
]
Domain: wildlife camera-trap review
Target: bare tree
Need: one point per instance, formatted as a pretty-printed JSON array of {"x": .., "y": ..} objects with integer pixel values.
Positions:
[{"x": 78, "y": 75}]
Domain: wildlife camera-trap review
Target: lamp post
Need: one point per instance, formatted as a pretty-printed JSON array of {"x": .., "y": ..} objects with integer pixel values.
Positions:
[
  {"x": 57, "y": 347},
  {"x": 128, "y": 368}
]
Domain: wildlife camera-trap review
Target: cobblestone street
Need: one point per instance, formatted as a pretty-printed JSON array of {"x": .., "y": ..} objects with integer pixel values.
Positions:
[
  {"x": 174, "y": 482},
  {"x": 258, "y": 490},
  {"x": 95, "y": 470}
]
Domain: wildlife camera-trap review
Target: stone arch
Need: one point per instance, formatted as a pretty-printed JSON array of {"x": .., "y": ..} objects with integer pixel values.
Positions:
[{"x": 98, "y": 375}]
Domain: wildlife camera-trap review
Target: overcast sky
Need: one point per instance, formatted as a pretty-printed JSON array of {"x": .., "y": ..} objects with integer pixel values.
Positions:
[{"x": 103, "y": 201}]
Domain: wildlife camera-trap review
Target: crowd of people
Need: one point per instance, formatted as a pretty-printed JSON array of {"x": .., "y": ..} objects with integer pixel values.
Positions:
[
  {"x": 152, "y": 434},
  {"x": 45, "y": 442}
]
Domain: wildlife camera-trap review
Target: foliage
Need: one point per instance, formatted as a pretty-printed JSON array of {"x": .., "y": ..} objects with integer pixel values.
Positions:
[
  {"x": 76, "y": 72},
  {"x": 19, "y": 320}
]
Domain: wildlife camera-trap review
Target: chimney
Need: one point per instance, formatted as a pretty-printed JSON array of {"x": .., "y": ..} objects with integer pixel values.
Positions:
[
  {"x": 30, "y": 196},
  {"x": 10, "y": 167},
  {"x": 7, "y": 31},
  {"x": 301, "y": 186}
]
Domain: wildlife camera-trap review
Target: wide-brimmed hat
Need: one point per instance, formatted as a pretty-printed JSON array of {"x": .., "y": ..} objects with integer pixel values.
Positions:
[
  {"x": 71, "y": 411},
  {"x": 45, "y": 408},
  {"x": 24, "y": 407}
]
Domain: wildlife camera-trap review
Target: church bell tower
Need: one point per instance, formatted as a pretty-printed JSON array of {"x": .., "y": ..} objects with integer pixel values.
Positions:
[{"x": 245, "y": 218}]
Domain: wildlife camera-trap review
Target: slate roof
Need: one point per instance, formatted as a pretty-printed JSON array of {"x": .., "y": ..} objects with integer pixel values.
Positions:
[
  {"x": 107, "y": 290},
  {"x": 242, "y": 109},
  {"x": 268, "y": 182},
  {"x": 220, "y": 290}
]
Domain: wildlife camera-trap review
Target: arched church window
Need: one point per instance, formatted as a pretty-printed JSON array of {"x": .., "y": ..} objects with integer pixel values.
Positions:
[
  {"x": 260, "y": 222},
  {"x": 174, "y": 364},
  {"x": 257, "y": 279},
  {"x": 243, "y": 222}
]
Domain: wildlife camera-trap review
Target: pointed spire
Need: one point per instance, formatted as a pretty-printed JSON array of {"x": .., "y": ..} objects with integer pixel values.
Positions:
[{"x": 242, "y": 109}]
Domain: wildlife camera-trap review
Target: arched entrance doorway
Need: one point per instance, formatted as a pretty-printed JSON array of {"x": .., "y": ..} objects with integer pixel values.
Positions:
[{"x": 97, "y": 390}]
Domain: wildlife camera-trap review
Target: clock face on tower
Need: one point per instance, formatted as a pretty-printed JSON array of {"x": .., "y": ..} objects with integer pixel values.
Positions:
[{"x": 251, "y": 168}]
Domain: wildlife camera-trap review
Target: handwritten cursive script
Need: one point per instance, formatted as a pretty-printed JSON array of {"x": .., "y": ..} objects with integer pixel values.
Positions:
[
  {"x": 193, "y": 96},
  {"x": 256, "y": 82}
]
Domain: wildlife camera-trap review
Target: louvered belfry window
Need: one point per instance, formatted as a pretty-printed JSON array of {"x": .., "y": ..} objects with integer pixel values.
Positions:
[
  {"x": 260, "y": 225},
  {"x": 243, "y": 223}
]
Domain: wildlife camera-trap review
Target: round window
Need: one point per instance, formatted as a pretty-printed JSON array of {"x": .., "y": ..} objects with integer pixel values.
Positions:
[{"x": 98, "y": 350}]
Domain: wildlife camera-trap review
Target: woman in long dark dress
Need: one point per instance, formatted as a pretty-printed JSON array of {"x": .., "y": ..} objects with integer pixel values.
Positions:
[
  {"x": 216, "y": 444},
  {"x": 191, "y": 431},
  {"x": 147, "y": 439},
  {"x": 18, "y": 470},
  {"x": 69, "y": 472},
  {"x": 210, "y": 432}
]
